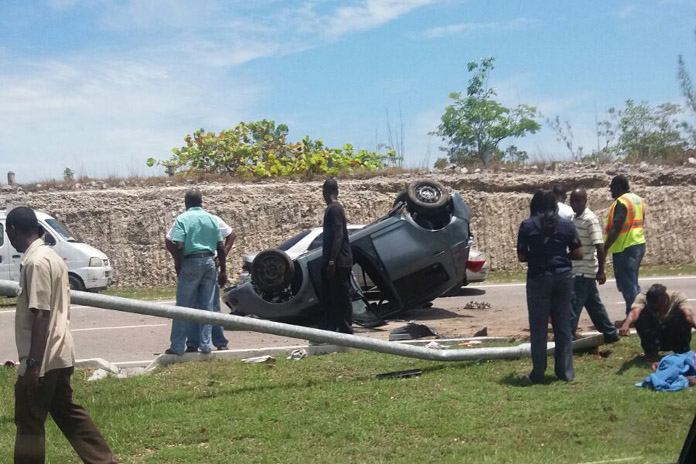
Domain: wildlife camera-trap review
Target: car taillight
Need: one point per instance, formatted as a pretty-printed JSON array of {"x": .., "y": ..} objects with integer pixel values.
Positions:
[{"x": 475, "y": 265}]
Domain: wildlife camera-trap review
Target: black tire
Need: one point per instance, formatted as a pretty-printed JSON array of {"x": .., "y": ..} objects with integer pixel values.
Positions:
[
  {"x": 272, "y": 270},
  {"x": 76, "y": 283},
  {"x": 427, "y": 197},
  {"x": 401, "y": 198}
]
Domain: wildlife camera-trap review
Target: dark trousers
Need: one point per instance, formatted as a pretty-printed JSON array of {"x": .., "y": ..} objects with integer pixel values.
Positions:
[
  {"x": 674, "y": 334},
  {"x": 586, "y": 294},
  {"x": 626, "y": 268},
  {"x": 338, "y": 310},
  {"x": 550, "y": 296},
  {"x": 54, "y": 396}
]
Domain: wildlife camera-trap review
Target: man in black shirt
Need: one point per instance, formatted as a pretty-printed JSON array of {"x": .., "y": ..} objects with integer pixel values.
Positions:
[{"x": 337, "y": 261}]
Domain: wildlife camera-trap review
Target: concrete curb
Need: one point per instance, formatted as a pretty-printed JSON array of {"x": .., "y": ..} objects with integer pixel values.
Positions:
[
  {"x": 97, "y": 363},
  {"x": 143, "y": 367},
  {"x": 312, "y": 350}
]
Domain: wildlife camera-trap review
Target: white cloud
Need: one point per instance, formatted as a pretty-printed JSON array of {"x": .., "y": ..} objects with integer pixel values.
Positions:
[
  {"x": 369, "y": 14},
  {"x": 63, "y": 4},
  {"x": 112, "y": 105},
  {"x": 626, "y": 11},
  {"x": 107, "y": 111},
  {"x": 516, "y": 24}
]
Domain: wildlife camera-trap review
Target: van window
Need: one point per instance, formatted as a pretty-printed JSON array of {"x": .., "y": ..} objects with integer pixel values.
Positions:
[
  {"x": 2, "y": 234},
  {"x": 63, "y": 230}
]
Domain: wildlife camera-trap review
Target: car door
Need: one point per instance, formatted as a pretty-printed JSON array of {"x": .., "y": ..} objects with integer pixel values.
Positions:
[
  {"x": 15, "y": 259},
  {"x": 418, "y": 261}
]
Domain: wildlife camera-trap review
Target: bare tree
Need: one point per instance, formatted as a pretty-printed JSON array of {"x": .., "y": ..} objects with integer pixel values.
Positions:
[
  {"x": 564, "y": 133},
  {"x": 395, "y": 137}
]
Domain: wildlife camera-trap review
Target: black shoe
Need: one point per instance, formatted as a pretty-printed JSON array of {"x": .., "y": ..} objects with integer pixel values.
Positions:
[
  {"x": 169, "y": 351},
  {"x": 222, "y": 348},
  {"x": 611, "y": 338},
  {"x": 191, "y": 349}
]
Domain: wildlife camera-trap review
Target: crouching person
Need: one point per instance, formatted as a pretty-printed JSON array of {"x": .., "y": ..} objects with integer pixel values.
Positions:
[{"x": 662, "y": 320}]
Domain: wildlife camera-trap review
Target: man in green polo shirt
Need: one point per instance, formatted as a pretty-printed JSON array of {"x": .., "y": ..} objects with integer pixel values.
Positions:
[{"x": 197, "y": 236}]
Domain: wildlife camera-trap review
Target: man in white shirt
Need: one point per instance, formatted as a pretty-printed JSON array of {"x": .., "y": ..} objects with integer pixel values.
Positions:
[
  {"x": 589, "y": 270},
  {"x": 218, "y": 333},
  {"x": 564, "y": 210}
]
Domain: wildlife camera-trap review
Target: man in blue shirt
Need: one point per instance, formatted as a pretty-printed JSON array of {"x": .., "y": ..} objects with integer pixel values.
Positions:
[{"x": 196, "y": 235}]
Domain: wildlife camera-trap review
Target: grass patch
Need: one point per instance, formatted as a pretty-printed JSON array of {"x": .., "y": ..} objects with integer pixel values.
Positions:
[
  {"x": 143, "y": 293},
  {"x": 332, "y": 409},
  {"x": 138, "y": 293},
  {"x": 659, "y": 270}
]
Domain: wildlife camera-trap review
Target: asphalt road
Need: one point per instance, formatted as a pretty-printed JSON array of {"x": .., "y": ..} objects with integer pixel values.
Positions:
[{"x": 122, "y": 337}]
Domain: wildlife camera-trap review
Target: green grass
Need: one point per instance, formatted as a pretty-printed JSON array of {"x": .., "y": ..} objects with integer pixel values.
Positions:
[
  {"x": 138, "y": 293},
  {"x": 332, "y": 409},
  {"x": 660, "y": 270},
  {"x": 143, "y": 293}
]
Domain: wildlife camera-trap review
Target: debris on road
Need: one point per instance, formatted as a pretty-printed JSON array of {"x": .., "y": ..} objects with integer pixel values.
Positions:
[
  {"x": 400, "y": 374},
  {"x": 99, "y": 374},
  {"x": 482, "y": 333},
  {"x": 477, "y": 305},
  {"x": 267, "y": 359},
  {"x": 471, "y": 343},
  {"x": 435, "y": 346},
  {"x": 298, "y": 354},
  {"x": 412, "y": 331}
]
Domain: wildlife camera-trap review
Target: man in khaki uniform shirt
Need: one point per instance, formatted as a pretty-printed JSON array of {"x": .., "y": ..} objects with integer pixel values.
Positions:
[{"x": 45, "y": 349}]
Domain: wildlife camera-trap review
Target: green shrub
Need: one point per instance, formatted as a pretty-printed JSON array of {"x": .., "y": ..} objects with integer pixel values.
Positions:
[{"x": 261, "y": 149}]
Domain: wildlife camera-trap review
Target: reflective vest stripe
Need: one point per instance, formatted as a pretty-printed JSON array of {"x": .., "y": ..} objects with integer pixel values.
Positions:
[{"x": 632, "y": 229}]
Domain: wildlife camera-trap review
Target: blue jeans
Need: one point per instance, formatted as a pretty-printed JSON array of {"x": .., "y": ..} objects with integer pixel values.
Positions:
[
  {"x": 195, "y": 289},
  {"x": 218, "y": 333},
  {"x": 586, "y": 294},
  {"x": 550, "y": 295},
  {"x": 626, "y": 267}
]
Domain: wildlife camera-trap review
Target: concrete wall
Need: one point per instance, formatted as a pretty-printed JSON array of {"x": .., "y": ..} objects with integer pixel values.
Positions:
[{"x": 129, "y": 224}]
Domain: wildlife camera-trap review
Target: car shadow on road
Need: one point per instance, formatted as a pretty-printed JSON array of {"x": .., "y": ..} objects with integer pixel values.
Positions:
[{"x": 466, "y": 291}]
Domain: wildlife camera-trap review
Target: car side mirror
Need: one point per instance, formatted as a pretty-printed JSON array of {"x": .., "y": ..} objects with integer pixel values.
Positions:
[{"x": 49, "y": 240}]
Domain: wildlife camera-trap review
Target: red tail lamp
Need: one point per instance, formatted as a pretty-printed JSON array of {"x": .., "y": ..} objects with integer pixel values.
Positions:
[{"x": 475, "y": 265}]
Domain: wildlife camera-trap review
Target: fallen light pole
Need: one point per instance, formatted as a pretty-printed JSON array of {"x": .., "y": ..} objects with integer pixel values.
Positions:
[{"x": 228, "y": 321}]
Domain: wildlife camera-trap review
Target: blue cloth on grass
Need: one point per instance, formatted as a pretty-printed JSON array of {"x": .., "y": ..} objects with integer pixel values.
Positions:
[{"x": 671, "y": 373}]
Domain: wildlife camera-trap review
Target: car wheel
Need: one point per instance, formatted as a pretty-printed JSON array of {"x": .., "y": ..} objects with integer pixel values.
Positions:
[
  {"x": 427, "y": 196},
  {"x": 76, "y": 283},
  {"x": 272, "y": 270}
]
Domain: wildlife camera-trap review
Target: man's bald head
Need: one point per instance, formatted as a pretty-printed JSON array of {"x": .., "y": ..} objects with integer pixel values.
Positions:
[{"x": 578, "y": 200}]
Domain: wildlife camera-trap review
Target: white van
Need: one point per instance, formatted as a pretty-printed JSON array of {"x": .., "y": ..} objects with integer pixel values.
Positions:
[{"x": 89, "y": 269}]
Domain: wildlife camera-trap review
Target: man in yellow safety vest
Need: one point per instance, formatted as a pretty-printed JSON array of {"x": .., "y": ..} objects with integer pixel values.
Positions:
[{"x": 624, "y": 237}]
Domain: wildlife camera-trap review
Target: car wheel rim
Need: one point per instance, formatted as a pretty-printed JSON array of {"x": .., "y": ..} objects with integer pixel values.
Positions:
[
  {"x": 428, "y": 193},
  {"x": 271, "y": 271}
]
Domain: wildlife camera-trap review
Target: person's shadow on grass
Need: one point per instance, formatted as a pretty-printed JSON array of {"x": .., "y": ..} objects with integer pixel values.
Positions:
[
  {"x": 516, "y": 380},
  {"x": 637, "y": 361}
]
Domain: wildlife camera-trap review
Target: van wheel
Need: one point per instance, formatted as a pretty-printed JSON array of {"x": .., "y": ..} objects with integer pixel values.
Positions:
[
  {"x": 427, "y": 197},
  {"x": 272, "y": 270},
  {"x": 76, "y": 283}
]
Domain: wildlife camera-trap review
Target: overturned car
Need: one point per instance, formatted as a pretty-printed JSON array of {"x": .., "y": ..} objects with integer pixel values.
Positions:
[{"x": 405, "y": 259}]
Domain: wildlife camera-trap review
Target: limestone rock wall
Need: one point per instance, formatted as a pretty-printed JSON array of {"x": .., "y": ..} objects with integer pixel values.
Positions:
[{"x": 129, "y": 224}]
